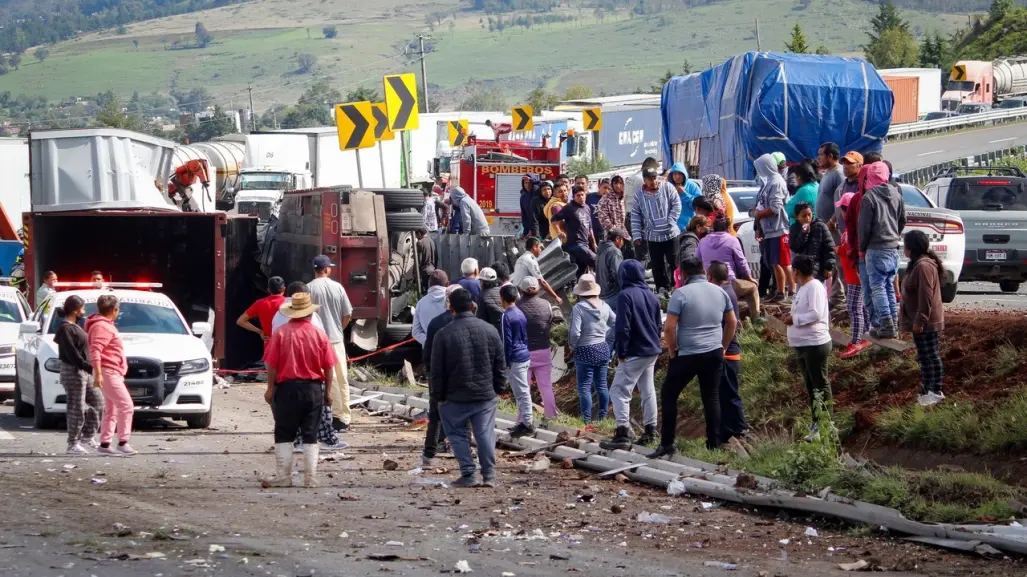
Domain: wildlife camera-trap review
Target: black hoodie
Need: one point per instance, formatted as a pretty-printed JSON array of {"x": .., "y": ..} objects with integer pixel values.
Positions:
[{"x": 73, "y": 346}]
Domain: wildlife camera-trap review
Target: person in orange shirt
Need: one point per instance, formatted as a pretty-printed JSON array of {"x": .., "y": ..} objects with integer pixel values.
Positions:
[{"x": 732, "y": 415}]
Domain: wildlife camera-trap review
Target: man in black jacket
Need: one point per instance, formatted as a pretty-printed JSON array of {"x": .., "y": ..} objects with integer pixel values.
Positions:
[
  {"x": 434, "y": 435},
  {"x": 467, "y": 368}
]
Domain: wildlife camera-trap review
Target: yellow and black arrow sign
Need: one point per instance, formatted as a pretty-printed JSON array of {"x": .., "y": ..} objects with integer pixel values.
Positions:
[
  {"x": 959, "y": 72},
  {"x": 523, "y": 118},
  {"x": 401, "y": 101},
  {"x": 381, "y": 119},
  {"x": 457, "y": 132},
  {"x": 593, "y": 118},
  {"x": 355, "y": 122}
]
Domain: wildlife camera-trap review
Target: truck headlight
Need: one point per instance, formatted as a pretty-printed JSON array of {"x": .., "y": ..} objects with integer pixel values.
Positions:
[
  {"x": 194, "y": 366},
  {"x": 53, "y": 365}
]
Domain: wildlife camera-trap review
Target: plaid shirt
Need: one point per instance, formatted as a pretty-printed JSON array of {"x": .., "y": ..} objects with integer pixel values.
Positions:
[{"x": 610, "y": 211}]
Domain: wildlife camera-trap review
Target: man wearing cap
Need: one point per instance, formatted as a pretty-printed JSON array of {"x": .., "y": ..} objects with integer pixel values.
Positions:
[
  {"x": 467, "y": 369},
  {"x": 575, "y": 224},
  {"x": 538, "y": 314},
  {"x": 608, "y": 263},
  {"x": 300, "y": 361},
  {"x": 527, "y": 265},
  {"x": 654, "y": 215},
  {"x": 335, "y": 311},
  {"x": 851, "y": 163},
  {"x": 264, "y": 309},
  {"x": 490, "y": 305},
  {"x": 430, "y": 306}
]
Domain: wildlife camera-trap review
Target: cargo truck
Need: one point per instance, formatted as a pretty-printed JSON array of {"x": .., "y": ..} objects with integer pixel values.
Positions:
[
  {"x": 917, "y": 92},
  {"x": 977, "y": 81},
  {"x": 718, "y": 121},
  {"x": 113, "y": 223}
]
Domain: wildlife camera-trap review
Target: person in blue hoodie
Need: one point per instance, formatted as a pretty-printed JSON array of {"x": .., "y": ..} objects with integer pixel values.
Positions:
[
  {"x": 687, "y": 191},
  {"x": 515, "y": 348},
  {"x": 637, "y": 345}
]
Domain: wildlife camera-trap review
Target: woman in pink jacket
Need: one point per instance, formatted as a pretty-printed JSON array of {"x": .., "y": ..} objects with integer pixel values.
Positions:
[{"x": 109, "y": 368}]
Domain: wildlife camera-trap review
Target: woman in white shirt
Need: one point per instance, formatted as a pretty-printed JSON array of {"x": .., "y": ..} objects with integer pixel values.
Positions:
[{"x": 809, "y": 335}]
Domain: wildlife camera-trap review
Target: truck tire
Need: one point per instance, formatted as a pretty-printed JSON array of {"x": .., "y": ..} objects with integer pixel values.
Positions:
[
  {"x": 948, "y": 292},
  {"x": 401, "y": 198},
  {"x": 403, "y": 221},
  {"x": 1009, "y": 286},
  {"x": 396, "y": 332}
]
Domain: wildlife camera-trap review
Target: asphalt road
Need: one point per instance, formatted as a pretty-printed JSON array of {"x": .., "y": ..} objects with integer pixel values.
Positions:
[
  {"x": 987, "y": 296},
  {"x": 911, "y": 154},
  {"x": 190, "y": 504}
]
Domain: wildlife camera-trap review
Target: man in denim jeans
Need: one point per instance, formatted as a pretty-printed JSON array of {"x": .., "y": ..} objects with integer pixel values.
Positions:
[{"x": 882, "y": 216}]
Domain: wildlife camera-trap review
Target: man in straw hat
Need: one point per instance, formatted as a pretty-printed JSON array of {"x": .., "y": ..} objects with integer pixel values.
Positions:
[{"x": 300, "y": 364}]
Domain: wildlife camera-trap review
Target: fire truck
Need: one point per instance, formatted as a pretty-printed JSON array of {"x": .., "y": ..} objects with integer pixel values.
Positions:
[{"x": 490, "y": 172}]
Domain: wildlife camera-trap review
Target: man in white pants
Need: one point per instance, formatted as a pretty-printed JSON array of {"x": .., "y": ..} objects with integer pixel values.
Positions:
[
  {"x": 334, "y": 312},
  {"x": 637, "y": 346}
]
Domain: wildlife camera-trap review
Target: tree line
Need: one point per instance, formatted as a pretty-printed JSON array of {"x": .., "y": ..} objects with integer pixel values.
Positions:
[{"x": 27, "y": 24}]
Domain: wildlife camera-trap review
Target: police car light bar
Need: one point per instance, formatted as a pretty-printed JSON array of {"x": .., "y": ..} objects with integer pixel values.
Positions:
[{"x": 129, "y": 285}]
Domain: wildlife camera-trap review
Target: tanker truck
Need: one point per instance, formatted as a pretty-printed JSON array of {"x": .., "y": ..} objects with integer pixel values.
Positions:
[
  {"x": 976, "y": 81},
  {"x": 222, "y": 162}
]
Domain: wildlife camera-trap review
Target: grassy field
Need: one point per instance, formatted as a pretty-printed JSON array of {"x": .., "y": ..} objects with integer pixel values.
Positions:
[{"x": 257, "y": 44}]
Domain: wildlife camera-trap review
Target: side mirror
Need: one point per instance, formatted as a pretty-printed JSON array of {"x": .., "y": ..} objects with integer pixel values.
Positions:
[
  {"x": 29, "y": 328},
  {"x": 198, "y": 328}
]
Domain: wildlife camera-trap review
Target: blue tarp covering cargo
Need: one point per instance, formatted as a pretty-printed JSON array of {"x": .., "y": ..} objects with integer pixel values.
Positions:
[{"x": 759, "y": 102}]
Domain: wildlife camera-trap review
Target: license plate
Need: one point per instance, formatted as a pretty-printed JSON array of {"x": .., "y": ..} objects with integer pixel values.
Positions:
[
  {"x": 138, "y": 392},
  {"x": 995, "y": 255}
]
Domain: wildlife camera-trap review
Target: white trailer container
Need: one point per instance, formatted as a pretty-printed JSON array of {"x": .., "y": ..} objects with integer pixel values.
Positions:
[
  {"x": 930, "y": 86},
  {"x": 379, "y": 167},
  {"x": 96, "y": 168},
  {"x": 14, "y": 178}
]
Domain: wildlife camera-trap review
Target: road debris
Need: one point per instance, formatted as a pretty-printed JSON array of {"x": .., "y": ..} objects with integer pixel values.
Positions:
[
  {"x": 462, "y": 567},
  {"x": 390, "y": 465},
  {"x": 541, "y": 463},
  {"x": 811, "y": 532},
  {"x": 617, "y": 509},
  {"x": 216, "y": 549},
  {"x": 654, "y": 518},
  {"x": 721, "y": 565},
  {"x": 860, "y": 565}
]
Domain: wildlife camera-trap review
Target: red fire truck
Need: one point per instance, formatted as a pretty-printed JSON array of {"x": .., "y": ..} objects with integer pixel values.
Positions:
[{"x": 491, "y": 172}]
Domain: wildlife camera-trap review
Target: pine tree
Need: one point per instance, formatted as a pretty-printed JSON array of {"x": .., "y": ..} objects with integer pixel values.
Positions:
[
  {"x": 888, "y": 17},
  {"x": 891, "y": 43},
  {"x": 797, "y": 44},
  {"x": 999, "y": 8}
]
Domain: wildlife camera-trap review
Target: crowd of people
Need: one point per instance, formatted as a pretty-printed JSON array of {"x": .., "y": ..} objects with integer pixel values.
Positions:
[{"x": 829, "y": 230}]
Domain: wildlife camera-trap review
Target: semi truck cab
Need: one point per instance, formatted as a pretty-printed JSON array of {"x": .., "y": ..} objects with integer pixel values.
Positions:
[
  {"x": 971, "y": 81},
  {"x": 260, "y": 190}
]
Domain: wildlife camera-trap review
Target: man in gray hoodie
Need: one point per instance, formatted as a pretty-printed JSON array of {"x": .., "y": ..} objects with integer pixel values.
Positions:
[
  {"x": 431, "y": 305},
  {"x": 471, "y": 219},
  {"x": 772, "y": 221},
  {"x": 608, "y": 262},
  {"x": 882, "y": 216}
]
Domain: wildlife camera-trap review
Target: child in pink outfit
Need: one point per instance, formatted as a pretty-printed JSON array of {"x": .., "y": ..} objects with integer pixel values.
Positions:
[{"x": 109, "y": 369}]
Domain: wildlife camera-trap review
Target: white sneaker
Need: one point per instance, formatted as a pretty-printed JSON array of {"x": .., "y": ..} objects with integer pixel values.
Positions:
[
  {"x": 937, "y": 397},
  {"x": 93, "y": 444},
  {"x": 107, "y": 451},
  {"x": 126, "y": 449},
  {"x": 928, "y": 400},
  {"x": 297, "y": 449},
  {"x": 78, "y": 449}
]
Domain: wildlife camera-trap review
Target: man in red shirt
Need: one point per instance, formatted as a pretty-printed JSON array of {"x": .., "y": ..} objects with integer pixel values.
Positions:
[
  {"x": 300, "y": 363},
  {"x": 264, "y": 309}
]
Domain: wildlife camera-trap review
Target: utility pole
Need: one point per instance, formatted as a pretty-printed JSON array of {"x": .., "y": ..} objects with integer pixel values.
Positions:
[
  {"x": 424, "y": 73},
  {"x": 250, "y": 90},
  {"x": 759, "y": 47}
]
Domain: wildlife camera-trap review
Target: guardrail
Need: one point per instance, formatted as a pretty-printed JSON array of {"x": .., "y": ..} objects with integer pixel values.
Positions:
[
  {"x": 914, "y": 129},
  {"x": 921, "y": 176}
]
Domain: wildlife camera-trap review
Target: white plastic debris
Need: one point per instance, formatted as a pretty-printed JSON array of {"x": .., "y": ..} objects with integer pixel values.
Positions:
[
  {"x": 344, "y": 535},
  {"x": 394, "y": 544},
  {"x": 857, "y": 566},
  {"x": 785, "y": 541},
  {"x": 623, "y": 494},
  {"x": 721, "y": 565},
  {"x": 508, "y": 574},
  {"x": 96, "y": 481},
  {"x": 707, "y": 506},
  {"x": 216, "y": 549},
  {"x": 462, "y": 567},
  {"x": 811, "y": 532},
  {"x": 675, "y": 488},
  {"x": 541, "y": 463},
  {"x": 656, "y": 518},
  {"x": 416, "y": 471}
]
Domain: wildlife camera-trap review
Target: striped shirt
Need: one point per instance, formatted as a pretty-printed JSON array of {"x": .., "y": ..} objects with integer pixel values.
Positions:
[{"x": 654, "y": 215}]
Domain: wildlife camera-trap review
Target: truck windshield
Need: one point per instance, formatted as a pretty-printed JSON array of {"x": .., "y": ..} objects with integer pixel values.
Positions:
[
  {"x": 960, "y": 85},
  {"x": 988, "y": 194},
  {"x": 265, "y": 181},
  {"x": 139, "y": 318}
]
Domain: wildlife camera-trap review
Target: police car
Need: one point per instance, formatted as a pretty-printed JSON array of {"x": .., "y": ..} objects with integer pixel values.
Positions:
[
  {"x": 14, "y": 309},
  {"x": 169, "y": 369}
]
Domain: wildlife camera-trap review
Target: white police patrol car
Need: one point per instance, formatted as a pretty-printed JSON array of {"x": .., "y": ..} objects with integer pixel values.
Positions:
[
  {"x": 14, "y": 309},
  {"x": 170, "y": 372}
]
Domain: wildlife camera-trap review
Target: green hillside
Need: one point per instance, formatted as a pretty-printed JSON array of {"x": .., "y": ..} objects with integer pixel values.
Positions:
[{"x": 259, "y": 44}]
